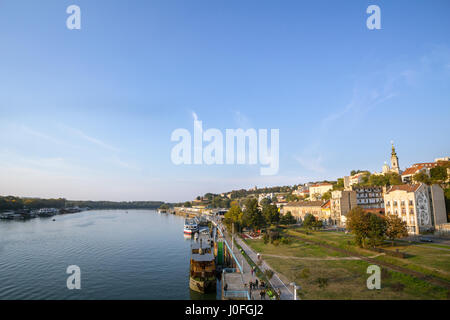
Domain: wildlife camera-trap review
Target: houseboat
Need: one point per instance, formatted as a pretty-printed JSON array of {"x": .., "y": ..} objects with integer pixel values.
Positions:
[
  {"x": 190, "y": 226},
  {"x": 202, "y": 277},
  {"x": 47, "y": 212}
]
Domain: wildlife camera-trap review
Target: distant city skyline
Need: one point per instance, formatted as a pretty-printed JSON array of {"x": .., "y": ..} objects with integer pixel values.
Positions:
[{"x": 88, "y": 114}]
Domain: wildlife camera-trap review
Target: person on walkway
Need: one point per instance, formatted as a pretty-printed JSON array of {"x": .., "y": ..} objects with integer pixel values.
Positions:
[
  {"x": 251, "y": 272},
  {"x": 279, "y": 294},
  {"x": 262, "y": 293},
  {"x": 256, "y": 282},
  {"x": 225, "y": 287}
]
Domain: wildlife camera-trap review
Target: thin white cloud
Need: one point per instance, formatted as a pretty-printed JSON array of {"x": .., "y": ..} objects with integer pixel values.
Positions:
[
  {"x": 90, "y": 139},
  {"x": 311, "y": 163},
  {"x": 242, "y": 121}
]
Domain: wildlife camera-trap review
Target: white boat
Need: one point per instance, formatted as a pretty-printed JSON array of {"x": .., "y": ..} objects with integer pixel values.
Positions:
[{"x": 190, "y": 226}]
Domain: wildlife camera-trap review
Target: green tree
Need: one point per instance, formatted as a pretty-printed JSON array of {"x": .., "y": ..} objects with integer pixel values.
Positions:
[
  {"x": 234, "y": 215},
  {"x": 377, "y": 229},
  {"x": 252, "y": 216},
  {"x": 359, "y": 225},
  {"x": 287, "y": 218},
  {"x": 265, "y": 201},
  {"x": 396, "y": 228},
  {"x": 422, "y": 177},
  {"x": 326, "y": 196},
  {"x": 339, "y": 185},
  {"x": 271, "y": 214},
  {"x": 367, "y": 227},
  {"x": 394, "y": 178},
  {"x": 187, "y": 204},
  {"x": 309, "y": 221},
  {"x": 438, "y": 174}
]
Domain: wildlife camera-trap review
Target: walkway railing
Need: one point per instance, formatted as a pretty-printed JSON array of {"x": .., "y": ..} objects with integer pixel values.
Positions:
[
  {"x": 236, "y": 294},
  {"x": 230, "y": 250}
]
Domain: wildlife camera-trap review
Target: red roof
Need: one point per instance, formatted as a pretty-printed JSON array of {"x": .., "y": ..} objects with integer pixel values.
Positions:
[
  {"x": 418, "y": 166},
  {"x": 321, "y": 184},
  {"x": 404, "y": 187},
  {"x": 326, "y": 205}
]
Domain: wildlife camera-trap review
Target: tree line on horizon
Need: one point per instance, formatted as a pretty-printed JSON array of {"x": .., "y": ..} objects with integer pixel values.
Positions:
[{"x": 17, "y": 203}]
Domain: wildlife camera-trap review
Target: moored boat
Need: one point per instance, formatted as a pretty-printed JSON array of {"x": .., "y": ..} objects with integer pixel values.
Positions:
[
  {"x": 202, "y": 277},
  {"x": 190, "y": 226}
]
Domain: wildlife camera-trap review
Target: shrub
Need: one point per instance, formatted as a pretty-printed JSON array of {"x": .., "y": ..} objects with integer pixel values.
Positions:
[
  {"x": 304, "y": 274},
  {"x": 397, "y": 286},
  {"x": 268, "y": 273},
  {"x": 266, "y": 238},
  {"x": 322, "y": 282},
  {"x": 274, "y": 235}
]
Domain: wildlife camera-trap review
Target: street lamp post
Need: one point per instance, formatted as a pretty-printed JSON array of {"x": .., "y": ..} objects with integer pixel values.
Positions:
[{"x": 295, "y": 289}]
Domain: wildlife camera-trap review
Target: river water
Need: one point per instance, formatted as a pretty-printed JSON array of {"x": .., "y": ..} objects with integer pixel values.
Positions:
[{"x": 122, "y": 254}]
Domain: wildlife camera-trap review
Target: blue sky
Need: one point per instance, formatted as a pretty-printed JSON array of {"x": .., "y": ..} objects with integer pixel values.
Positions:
[{"x": 88, "y": 114}]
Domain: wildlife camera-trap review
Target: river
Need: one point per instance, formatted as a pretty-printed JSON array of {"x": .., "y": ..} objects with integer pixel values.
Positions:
[{"x": 122, "y": 254}]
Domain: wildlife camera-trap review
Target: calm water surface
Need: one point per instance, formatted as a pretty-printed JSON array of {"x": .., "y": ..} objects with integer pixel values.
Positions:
[{"x": 133, "y": 254}]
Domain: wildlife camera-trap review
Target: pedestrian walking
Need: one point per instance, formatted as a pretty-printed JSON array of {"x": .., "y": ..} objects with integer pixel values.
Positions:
[
  {"x": 262, "y": 294},
  {"x": 256, "y": 282},
  {"x": 251, "y": 272}
]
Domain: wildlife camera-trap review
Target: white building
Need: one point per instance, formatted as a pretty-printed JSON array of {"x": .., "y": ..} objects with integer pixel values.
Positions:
[
  {"x": 316, "y": 191},
  {"x": 350, "y": 181},
  {"x": 265, "y": 196},
  {"x": 422, "y": 207}
]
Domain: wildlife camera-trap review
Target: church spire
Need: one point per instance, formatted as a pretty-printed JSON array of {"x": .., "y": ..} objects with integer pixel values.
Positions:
[
  {"x": 394, "y": 160},
  {"x": 393, "y": 150}
]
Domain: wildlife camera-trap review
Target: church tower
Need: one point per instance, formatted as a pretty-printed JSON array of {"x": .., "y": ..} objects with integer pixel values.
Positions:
[{"x": 394, "y": 161}]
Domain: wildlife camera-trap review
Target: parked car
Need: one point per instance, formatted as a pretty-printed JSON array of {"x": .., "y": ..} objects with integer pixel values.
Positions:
[{"x": 425, "y": 239}]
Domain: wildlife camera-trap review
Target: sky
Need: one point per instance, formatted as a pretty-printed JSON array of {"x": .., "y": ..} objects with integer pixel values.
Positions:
[{"x": 89, "y": 113}]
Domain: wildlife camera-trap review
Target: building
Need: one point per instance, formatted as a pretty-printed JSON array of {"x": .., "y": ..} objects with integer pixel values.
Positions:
[
  {"x": 326, "y": 213},
  {"x": 370, "y": 197},
  {"x": 302, "y": 191},
  {"x": 350, "y": 181},
  {"x": 317, "y": 190},
  {"x": 262, "y": 196},
  {"x": 408, "y": 174},
  {"x": 395, "y": 166},
  {"x": 422, "y": 207},
  {"x": 301, "y": 208},
  {"x": 341, "y": 202}
]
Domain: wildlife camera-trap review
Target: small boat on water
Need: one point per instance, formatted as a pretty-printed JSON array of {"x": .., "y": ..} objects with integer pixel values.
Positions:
[
  {"x": 202, "y": 274},
  {"x": 47, "y": 212},
  {"x": 190, "y": 226}
]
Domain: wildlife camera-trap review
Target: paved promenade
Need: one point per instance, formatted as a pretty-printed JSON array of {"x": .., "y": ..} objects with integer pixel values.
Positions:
[
  {"x": 285, "y": 289},
  {"x": 276, "y": 282}
]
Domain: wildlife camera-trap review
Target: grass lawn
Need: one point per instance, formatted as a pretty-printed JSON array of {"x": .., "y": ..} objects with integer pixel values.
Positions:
[
  {"x": 346, "y": 279},
  {"x": 421, "y": 257},
  {"x": 296, "y": 249}
]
